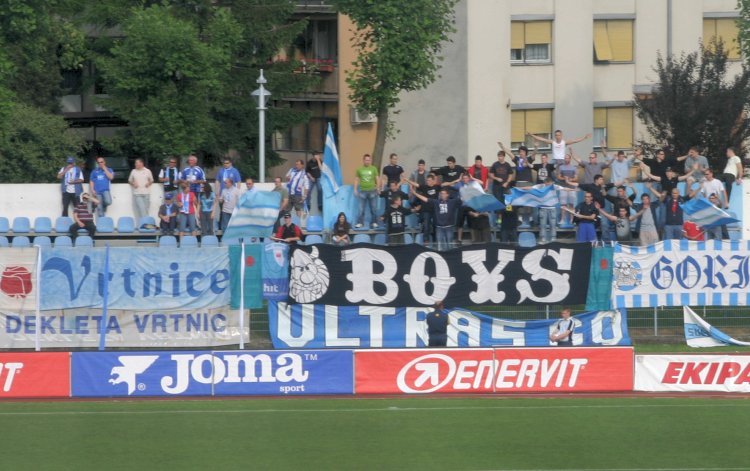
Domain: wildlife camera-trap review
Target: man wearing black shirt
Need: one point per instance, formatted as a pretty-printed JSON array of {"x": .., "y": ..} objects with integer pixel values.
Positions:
[
  {"x": 431, "y": 190},
  {"x": 656, "y": 167},
  {"x": 451, "y": 174},
  {"x": 585, "y": 214},
  {"x": 395, "y": 221},
  {"x": 393, "y": 189},
  {"x": 437, "y": 326},
  {"x": 312, "y": 168},
  {"x": 543, "y": 169},
  {"x": 501, "y": 174},
  {"x": 393, "y": 171}
]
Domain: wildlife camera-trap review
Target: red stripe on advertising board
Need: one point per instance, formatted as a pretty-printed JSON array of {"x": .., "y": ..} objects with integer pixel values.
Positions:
[
  {"x": 35, "y": 374},
  {"x": 484, "y": 371}
]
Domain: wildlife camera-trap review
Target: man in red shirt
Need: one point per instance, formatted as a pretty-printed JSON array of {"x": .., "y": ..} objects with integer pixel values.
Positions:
[
  {"x": 288, "y": 232},
  {"x": 692, "y": 231}
]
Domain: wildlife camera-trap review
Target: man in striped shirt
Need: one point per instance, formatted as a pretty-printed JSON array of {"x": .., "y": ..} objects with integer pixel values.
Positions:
[{"x": 82, "y": 217}]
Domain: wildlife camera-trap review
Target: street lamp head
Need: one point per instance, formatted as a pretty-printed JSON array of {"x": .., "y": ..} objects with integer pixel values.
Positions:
[
  {"x": 261, "y": 94},
  {"x": 261, "y": 80}
]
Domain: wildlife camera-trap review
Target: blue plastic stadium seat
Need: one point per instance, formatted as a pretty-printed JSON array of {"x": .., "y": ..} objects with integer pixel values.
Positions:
[
  {"x": 526, "y": 239},
  {"x": 314, "y": 223},
  {"x": 188, "y": 241},
  {"x": 21, "y": 224},
  {"x": 361, "y": 238},
  {"x": 125, "y": 225},
  {"x": 313, "y": 239},
  {"x": 63, "y": 241},
  {"x": 42, "y": 241},
  {"x": 62, "y": 224},
  {"x": 380, "y": 239},
  {"x": 105, "y": 225},
  {"x": 209, "y": 241},
  {"x": 147, "y": 220},
  {"x": 408, "y": 239},
  {"x": 84, "y": 241},
  {"x": 4, "y": 224},
  {"x": 4, "y": 241},
  {"x": 21, "y": 241},
  {"x": 167, "y": 241},
  {"x": 42, "y": 225}
]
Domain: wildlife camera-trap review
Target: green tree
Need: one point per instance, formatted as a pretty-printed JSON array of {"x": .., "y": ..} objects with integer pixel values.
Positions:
[
  {"x": 183, "y": 71},
  {"x": 398, "y": 45},
  {"x": 33, "y": 144},
  {"x": 696, "y": 103}
]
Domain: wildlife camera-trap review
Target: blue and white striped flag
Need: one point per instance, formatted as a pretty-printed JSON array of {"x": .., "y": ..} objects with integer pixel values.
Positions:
[
  {"x": 705, "y": 214},
  {"x": 254, "y": 215},
  {"x": 699, "y": 333},
  {"x": 331, "y": 168},
  {"x": 533, "y": 197},
  {"x": 484, "y": 202}
]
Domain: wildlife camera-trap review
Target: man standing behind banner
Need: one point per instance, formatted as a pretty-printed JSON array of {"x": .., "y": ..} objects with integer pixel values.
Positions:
[
  {"x": 563, "y": 334},
  {"x": 437, "y": 326}
]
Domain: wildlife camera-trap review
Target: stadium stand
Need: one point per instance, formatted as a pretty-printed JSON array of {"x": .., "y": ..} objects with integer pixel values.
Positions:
[
  {"x": 4, "y": 241},
  {"x": 167, "y": 241},
  {"x": 379, "y": 239},
  {"x": 361, "y": 238},
  {"x": 42, "y": 225},
  {"x": 21, "y": 225},
  {"x": 4, "y": 224},
  {"x": 62, "y": 224},
  {"x": 188, "y": 241},
  {"x": 84, "y": 241},
  {"x": 63, "y": 241},
  {"x": 147, "y": 224},
  {"x": 105, "y": 225},
  {"x": 527, "y": 239},
  {"x": 314, "y": 223},
  {"x": 42, "y": 241},
  {"x": 209, "y": 241},
  {"x": 20, "y": 241},
  {"x": 313, "y": 239},
  {"x": 125, "y": 225}
]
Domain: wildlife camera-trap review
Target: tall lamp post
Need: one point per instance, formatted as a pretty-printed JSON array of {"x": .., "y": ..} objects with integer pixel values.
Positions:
[{"x": 261, "y": 96}]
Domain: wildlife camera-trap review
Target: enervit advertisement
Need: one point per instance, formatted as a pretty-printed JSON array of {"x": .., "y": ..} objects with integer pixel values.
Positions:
[
  {"x": 35, "y": 374},
  {"x": 211, "y": 373},
  {"x": 494, "y": 370},
  {"x": 690, "y": 373}
]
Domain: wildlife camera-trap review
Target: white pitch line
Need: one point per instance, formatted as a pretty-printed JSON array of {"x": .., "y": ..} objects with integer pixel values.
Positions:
[{"x": 391, "y": 409}]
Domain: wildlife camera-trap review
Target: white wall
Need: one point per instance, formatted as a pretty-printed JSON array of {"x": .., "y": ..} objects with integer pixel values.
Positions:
[{"x": 36, "y": 200}]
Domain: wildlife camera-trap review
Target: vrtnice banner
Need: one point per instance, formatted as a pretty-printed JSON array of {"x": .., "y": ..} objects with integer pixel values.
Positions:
[{"x": 413, "y": 275}]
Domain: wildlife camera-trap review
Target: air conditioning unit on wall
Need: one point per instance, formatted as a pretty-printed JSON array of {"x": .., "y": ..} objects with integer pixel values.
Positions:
[{"x": 362, "y": 117}]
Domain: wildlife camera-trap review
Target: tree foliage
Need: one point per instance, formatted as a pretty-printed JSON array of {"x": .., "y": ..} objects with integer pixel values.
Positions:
[
  {"x": 696, "y": 102},
  {"x": 33, "y": 145},
  {"x": 183, "y": 71},
  {"x": 398, "y": 45}
]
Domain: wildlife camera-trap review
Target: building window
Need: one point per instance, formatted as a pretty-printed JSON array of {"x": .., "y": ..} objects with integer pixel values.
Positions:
[
  {"x": 537, "y": 122},
  {"x": 307, "y": 136},
  {"x": 724, "y": 30},
  {"x": 613, "y": 41},
  {"x": 530, "y": 42},
  {"x": 613, "y": 126}
]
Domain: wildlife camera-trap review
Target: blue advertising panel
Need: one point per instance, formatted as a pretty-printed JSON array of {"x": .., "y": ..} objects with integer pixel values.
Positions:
[
  {"x": 144, "y": 279},
  {"x": 285, "y": 373},
  {"x": 188, "y": 373},
  {"x": 105, "y": 374},
  {"x": 323, "y": 326}
]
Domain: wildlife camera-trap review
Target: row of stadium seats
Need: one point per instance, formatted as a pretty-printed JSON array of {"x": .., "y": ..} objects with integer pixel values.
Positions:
[
  {"x": 188, "y": 241},
  {"x": 104, "y": 225},
  {"x": 44, "y": 241}
]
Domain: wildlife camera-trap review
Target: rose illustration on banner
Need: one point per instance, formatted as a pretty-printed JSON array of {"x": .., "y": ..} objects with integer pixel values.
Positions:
[
  {"x": 15, "y": 282},
  {"x": 309, "y": 277}
]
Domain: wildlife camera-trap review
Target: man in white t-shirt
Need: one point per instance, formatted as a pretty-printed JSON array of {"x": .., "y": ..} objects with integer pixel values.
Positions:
[
  {"x": 559, "y": 145},
  {"x": 733, "y": 172},
  {"x": 140, "y": 180},
  {"x": 712, "y": 186}
]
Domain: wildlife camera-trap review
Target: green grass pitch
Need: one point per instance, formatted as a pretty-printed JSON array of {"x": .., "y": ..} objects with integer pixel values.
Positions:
[{"x": 404, "y": 433}]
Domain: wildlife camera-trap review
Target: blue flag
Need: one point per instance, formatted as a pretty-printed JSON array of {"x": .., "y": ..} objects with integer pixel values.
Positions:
[
  {"x": 331, "y": 168},
  {"x": 705, "y": 214},
  {"x": 254, "y": 215},
  {"x": 533, "y": 197},
  {"x": 484, "y": 202}
]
